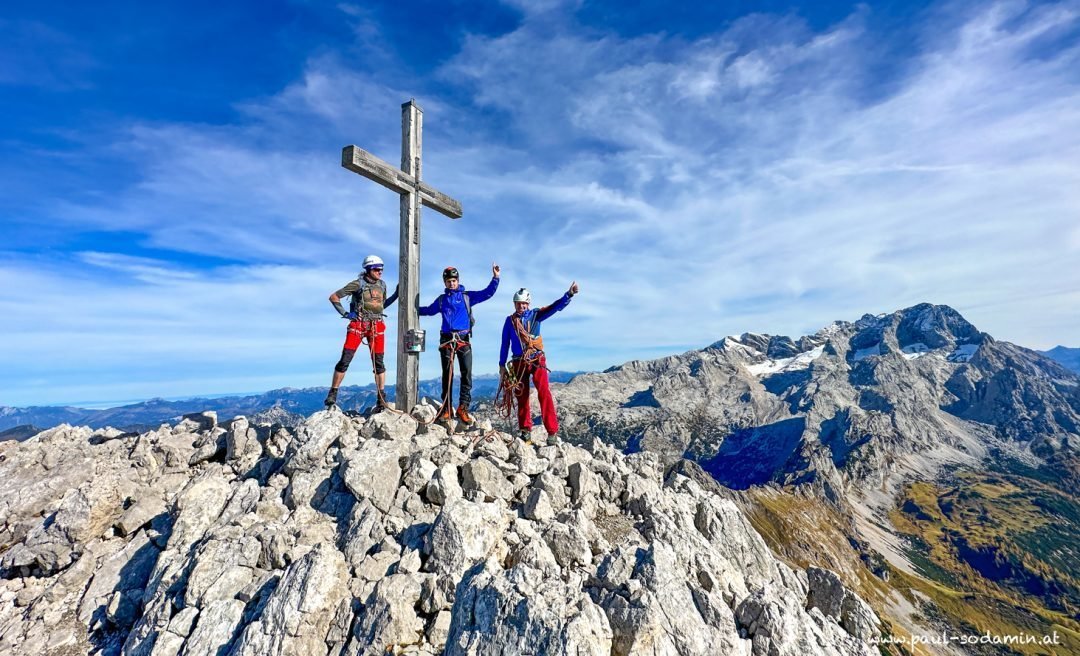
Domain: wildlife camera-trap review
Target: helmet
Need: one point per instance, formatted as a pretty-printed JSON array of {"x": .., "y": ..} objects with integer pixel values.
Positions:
[
  {"x": 449, "y": 272},
  {"x": 522, "y": 296},
  {"x": 372, "y": 261}
]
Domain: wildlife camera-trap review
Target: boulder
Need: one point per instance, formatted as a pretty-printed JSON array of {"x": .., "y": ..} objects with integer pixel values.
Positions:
[
  {"x": 373, "y": 472},
  {"x": 485, "y": 477},
  {"x": 463, "y": 534},
  {"x": 444, "y": 486},
  {"x": 299, "y": 612}
]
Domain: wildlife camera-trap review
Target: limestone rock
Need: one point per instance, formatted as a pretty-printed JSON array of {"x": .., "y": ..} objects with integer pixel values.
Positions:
[
  {"x": 201, "y": 421},
  {"x": 337, "y": 542},
  {"x": 583, "y": 482},
  {"x": 538, "y": 506},
  {"x": 365, "y": 530},
  {"x": 389, "y": 426},
  {"x": 214, "y": 628},
  {"x": 390, "y": 618},
  {"x": 444, "y": 486},
  {"x": 524, "y": 612},
  {"x": 313, "y": 439},
  {"x": 464, "y": 533},
  {"x": 140, "y": 514},
  {"x": 373, "y": 472},
  {"x": 299, "y": 612},
  {"x": 829, "y": 595},
  {"x": 242, "y": 445},
  {"x": 484, "y": 476}
]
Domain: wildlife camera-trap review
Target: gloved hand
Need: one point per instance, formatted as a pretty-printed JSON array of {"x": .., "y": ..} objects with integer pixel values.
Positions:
[{"x": 351, "y": 316}]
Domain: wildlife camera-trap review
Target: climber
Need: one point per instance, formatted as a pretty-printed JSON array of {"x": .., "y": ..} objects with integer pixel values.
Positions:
[
  {"x": 521, "y": 336},
  {"x": 368, "y": 299},
  {"x": 455, "y": 306}
]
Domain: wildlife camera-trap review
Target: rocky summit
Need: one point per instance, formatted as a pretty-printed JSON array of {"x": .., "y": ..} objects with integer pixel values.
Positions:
[{"x": 384, "y": 534}]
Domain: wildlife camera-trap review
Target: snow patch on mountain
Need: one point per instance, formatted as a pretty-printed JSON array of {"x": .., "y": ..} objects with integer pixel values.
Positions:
[
  {"x": 784, "y": 365},
  {"x": 963, "y": 353},
  {"x": 915, "y": 351}
]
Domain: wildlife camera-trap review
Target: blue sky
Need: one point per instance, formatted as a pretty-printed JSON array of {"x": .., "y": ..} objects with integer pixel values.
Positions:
[{"x": 174, "y": 213}]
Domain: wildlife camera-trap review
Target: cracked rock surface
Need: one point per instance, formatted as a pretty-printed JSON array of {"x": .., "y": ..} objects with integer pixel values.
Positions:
[{"x": 349, "y": 535}]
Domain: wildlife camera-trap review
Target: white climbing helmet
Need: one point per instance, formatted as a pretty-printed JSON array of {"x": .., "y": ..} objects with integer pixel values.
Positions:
[
  {"x": 372, "y": 261},
  {"x": 522, "y": 296}
]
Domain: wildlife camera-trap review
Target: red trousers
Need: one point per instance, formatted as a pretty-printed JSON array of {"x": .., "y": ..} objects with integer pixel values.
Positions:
[
  {"x": 375, "y": 331},
  {"x": 537, "y": 370}
]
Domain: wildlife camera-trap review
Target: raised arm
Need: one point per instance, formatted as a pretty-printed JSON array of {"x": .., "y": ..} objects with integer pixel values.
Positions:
[
  {"x": 485, "y": 293},
  {"x": 545, "y": 312}
]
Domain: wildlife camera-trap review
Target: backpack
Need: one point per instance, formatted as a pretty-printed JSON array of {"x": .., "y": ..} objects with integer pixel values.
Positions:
[
  {"x": 368, "y": 300},
  {"x": 468, "y": 308}
]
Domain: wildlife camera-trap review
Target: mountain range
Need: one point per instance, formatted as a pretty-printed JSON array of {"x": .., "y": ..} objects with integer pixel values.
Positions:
[
  {"x": 1065, "y": 356},
  {"x": 288, "y": 405}
]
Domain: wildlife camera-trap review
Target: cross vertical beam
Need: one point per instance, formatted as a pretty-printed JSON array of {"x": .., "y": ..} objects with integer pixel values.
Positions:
[
  {"x": 415, "y": 193},
  {"x": 408, "y": 364}
]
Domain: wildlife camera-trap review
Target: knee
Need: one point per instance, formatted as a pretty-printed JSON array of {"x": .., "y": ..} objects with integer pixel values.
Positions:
[
  {"x": 380, "y": 365},
  {"x": 343, "y": 364}
]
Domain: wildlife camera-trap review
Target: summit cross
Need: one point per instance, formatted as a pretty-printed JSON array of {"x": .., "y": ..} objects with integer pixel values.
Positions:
[{"x": 407, "y": 182}]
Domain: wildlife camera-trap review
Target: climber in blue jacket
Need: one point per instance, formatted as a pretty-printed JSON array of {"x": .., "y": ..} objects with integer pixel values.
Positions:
[
  {"x": 455, "y": 306},
  {"x": 521, "y": 338}
]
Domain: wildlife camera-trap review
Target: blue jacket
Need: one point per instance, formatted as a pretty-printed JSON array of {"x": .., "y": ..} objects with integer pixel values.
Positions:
[
  {"x": 451, "y": 304},
  {"x": 510, "y": 339}
]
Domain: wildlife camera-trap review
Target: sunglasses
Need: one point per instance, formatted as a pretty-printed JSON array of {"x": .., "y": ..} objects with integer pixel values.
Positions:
[{"x": 375, "y": 270}]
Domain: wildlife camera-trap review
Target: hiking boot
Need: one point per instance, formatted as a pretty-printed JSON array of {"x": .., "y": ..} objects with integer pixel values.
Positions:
[
  {"x": 463, "y": 414},
  {"x": 552, "y": 439},
  {"x": 444, "y": 414},
  {"x": 331, "y": 398},
  {"x": 526, "y": 434}
]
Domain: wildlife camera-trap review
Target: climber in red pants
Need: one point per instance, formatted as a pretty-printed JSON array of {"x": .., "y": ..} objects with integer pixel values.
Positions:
[{"x": 521, "y": 337}]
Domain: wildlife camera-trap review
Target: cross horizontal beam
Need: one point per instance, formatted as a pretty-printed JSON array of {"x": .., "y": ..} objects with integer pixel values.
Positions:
[{"x": 360, "y": 161}]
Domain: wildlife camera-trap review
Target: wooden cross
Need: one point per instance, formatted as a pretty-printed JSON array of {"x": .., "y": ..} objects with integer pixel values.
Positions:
[{"x": 414, "y": 193}]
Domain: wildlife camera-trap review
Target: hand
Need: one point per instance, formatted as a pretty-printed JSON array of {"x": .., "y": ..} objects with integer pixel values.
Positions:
[
  {"x": 573, "y": 289},
  {"x": 495, "y": 269},
  {"x": 351, "y": 316}
]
